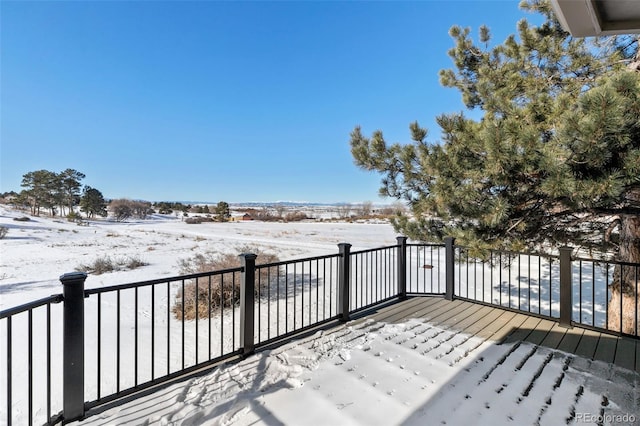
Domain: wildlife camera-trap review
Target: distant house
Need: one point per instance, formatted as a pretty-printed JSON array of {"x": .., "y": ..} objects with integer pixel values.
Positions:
[{"x": 247, "y": 216}]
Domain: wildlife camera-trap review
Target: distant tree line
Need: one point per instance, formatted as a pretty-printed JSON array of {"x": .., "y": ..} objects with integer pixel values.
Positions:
[
  {"x": 168, "y": 207},
  {"x": 59, "y": 194}
]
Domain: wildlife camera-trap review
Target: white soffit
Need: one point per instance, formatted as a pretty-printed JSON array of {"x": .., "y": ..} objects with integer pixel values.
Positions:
[{"x": 584, "y": 18}]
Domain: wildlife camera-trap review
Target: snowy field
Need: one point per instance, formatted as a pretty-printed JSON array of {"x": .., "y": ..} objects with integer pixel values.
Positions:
[
  {"x": 366, "y": 374},
  {"x": 36, "y": 253}
]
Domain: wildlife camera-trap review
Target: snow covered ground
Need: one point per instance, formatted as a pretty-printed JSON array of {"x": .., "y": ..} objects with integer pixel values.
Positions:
[
  {"x": 365, "y": 374},
  {"x": 37, "y": 252}
]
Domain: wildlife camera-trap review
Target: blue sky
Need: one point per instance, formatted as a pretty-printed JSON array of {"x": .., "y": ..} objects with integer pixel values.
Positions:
[{"x": 234, "y": 101}]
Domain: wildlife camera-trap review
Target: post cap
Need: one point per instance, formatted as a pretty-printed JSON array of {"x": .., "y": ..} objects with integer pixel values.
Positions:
[
  {"x": 73, "y": 276},
  {"x": 248, "y": 256}
]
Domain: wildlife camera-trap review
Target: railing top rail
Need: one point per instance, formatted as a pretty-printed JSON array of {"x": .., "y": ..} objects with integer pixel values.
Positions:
[
  {"x": 55, "y": 298},
  {"x": 425, "y": 245},
  {"x": 288, "y": 262},
  {"x": 514, "y": 253},
  {"x": 614, "y": 262},
  {"x": 159, "y": 281},
  {"x": 374, "y": 249}
]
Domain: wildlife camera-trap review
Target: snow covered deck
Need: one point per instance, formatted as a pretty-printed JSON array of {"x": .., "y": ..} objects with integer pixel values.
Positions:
[
  {"x": 421, "y": 361},
  {"x": 503, "y": 326}
]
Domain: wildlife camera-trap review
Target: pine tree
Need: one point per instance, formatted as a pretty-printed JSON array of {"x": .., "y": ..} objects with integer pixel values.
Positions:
[
  {"x": 92, "y": 202},
  {"x": 70, "y": 187},
  {"x": 222, "y": 212},
  {"x": 41, "y": 188},
  {"x": 553, "y": 160}
]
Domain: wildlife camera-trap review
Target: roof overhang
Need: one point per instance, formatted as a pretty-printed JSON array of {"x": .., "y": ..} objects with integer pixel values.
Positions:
[{"x": 584, "y": 18}]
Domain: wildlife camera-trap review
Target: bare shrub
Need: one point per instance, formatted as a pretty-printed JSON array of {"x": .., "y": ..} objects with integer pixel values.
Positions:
[
  {"x": 198, "y": 220},
  {"x": 295, "y": 217},
  {"x": 103, "y": 265},
  {"x": 263, "y": 215},
  {"x": 74, "y": 217},
  {"x": 120, "y": 209},
  {"x": 3, "y": 231},
  {"x": 365, "y": 209},
  {"x": 133, "y": 262},
  {"x": 99, "y": 266},
  {"x": 123, "y": 208},
  {"x": 344, "y": 211},
  {"x": 225, "y": 291}
]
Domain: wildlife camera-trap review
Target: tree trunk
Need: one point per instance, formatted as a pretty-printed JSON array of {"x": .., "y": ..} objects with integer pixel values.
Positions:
[{"x": 626, "y": 279}]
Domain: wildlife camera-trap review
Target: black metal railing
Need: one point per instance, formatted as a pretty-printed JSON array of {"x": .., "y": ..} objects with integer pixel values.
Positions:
[
  {"x": 513, "y": 280},
  {"x": 23, "y": 365},
  {"x": 425, "y": 275},
  {"x": 133, "y": 336},
  {"x": 188, "y": 322},
  {"x": 295, "y": 295},
  {"x": 373, "y": 277},
  {"x": 595, "y": 303}
]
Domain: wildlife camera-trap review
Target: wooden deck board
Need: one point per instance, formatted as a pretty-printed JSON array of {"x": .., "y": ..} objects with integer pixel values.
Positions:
[
  {"x": 478, "y": 327},
  {"x": 571, "y": 339},
  {"x": 540, "y": 332},
  {"x": 606, "y": 349},
  {"x": 508, "y": 328},
  {"x": 405, "y": 306},
  {"x": 554, "y": 337},
  {"x": 410, "y": 312},
  {"x": 524, "y": 330},
  {"x": 450, "y": 316},
  {"x": 478, "y": 316},
  {"x": 588, "y": 344},
  {"x": 442, "y": 311},
  {"x": 625, "y": 353},
  {"x": 502, "y": 325},
  {"x": 460, "y": 318}
]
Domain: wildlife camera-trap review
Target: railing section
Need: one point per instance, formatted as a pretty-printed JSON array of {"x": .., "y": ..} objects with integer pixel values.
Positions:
[
  {"x": 294, "y": 295},
  {"x": 425, "y": 269},
  {"x": 139, "y": 334},
  {"x": 374, "y": 277},
  {"x": 513, "y": 280},
  {"x": 30, "y": 369},
  {"x": 596, "y": 294}
]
